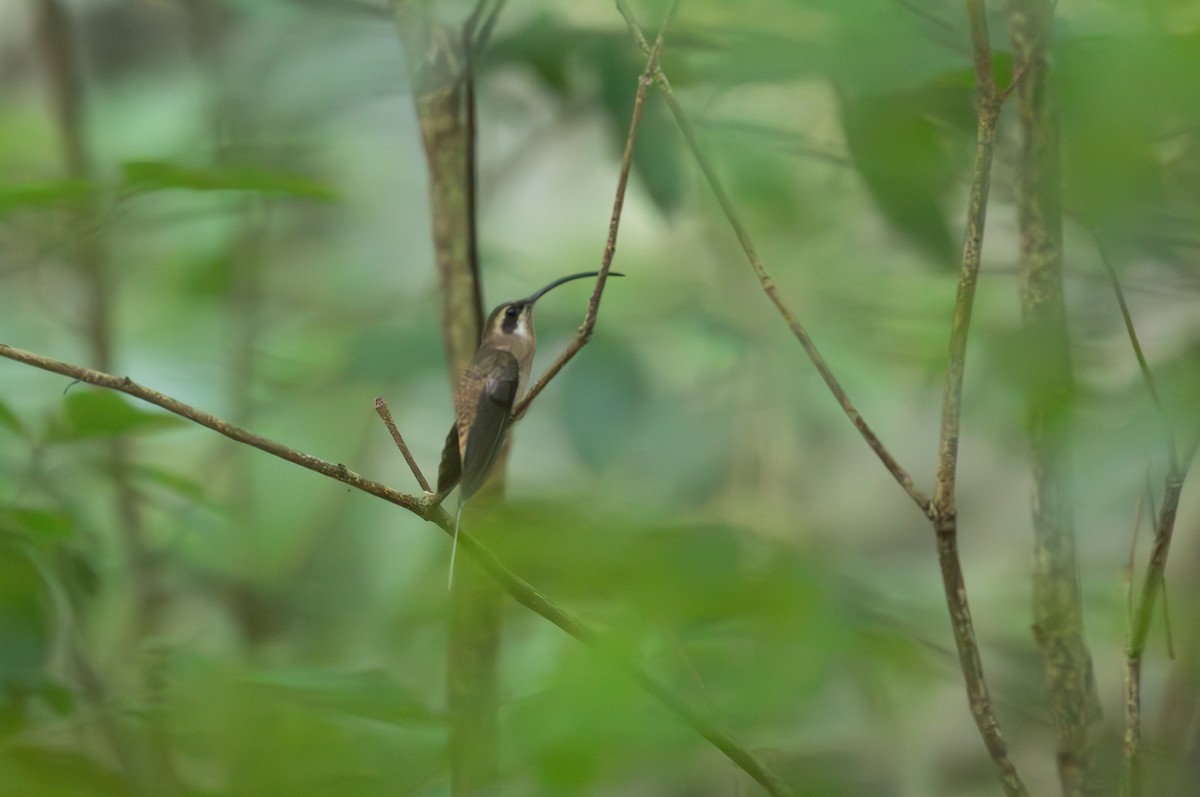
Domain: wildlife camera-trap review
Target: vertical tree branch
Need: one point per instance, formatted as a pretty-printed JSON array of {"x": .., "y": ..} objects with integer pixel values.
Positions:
[
  {"x": 437, "y": 70},
  {"x": 440, "y": 60},
  {"x": 945, "y": 519},
  {"x": 1057, "y": 604}
]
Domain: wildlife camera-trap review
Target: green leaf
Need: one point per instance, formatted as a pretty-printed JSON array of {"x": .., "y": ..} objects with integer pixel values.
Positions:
[
  {"x": 144, "y": 176},
  {"x": 658, "y": 150},
  {"x": 24, "y": 618},
  {"x": 1119, "y": 144},
  {"x": 103, "y": 413},
  {"x": 181, "y": 485},
  {"x": 39, "y": 524},
  {"x": 10, "y": 421},
  {"x": 761, "y": 174},
  {"x": 46, "y": 195},
  {"x": 372, "y": 694},
  {"x": 544, "y": 44},
  {"x": 551, "y": 50},
  {"x": 909, "y": 146},
  {"x": 25, "y": 769},
  {"x": 603, "y": 401}
]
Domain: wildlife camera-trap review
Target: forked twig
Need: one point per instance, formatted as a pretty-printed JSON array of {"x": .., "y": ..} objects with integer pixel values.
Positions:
[
  {"x": 381, "y": 407},
  {"x": 478, "y": 28},
  {"x": 1153, "y": 582},
  {"x": 940, "y": 511}
]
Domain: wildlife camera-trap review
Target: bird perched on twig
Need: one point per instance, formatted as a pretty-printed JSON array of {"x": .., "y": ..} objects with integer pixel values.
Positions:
[{"x": 485, "y": 397}]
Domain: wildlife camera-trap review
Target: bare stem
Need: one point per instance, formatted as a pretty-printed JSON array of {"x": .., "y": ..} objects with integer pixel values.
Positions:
[
  {"x": 381, "y": 407},
  {"x": 478, "y": 28},
  {"x": 521, "y": 591},
  {"x": 1147, "y": 376},
  {"x": 441, "y": 70}
]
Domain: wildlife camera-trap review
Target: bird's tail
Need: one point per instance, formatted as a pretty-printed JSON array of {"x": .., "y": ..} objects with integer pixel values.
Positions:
[{"x": 454, "y": 545}]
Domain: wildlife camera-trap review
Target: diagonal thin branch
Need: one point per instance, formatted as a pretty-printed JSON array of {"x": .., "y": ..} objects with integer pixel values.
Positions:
[
  {"x": 381, "y": 408},
  {"x": 523, "y": 592},
  {"x": 768, "y": 285},
  {"x": 477, "y": 30},
  {"x": 584, "y": 333},
  {"x": 1147, "y": 376}
]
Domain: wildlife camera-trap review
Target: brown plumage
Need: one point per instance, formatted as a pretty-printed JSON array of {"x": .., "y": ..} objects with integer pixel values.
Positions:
[
  {"x": 489, "y": 388},
  {"x": 484, "y": 400}
]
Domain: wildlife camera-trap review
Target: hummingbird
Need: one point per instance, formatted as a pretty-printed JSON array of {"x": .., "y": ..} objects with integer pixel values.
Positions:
[{"x": 486, "y": 394}]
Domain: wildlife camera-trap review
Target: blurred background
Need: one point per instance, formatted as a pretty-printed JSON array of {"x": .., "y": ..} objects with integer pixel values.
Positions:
[{"x": 226, "y": 200}]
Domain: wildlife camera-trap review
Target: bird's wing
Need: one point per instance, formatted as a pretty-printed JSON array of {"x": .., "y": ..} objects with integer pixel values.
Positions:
[
  {"x": 450, "y": 468},
  {"x": 493, "y": 413}
]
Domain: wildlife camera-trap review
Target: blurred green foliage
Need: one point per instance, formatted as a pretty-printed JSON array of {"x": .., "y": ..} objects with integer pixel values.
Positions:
[{"x": 216, "y": 622}]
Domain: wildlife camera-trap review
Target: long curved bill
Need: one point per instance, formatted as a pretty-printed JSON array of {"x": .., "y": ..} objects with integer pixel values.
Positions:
[{"x": 561, "y": 280}]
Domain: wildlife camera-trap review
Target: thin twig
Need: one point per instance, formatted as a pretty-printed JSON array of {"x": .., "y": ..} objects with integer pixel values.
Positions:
[
  {"x": 945, "y": 521},
  {"x": 1152, "y": 588},
  {"x": 584, "y": 333},
  {"x": 1167, "y": 632},
  {"x": 1132, "y": 737},
  {"x": 1150, "y": 500},
  {"x": 359, "y": 8},
  {"x": 381, "y": 407},
  {"x": 1127, "y": 574},
  {"x": 476, "y": 34},
  {"x": 1147, "y": 376},
  {"x": 1131, "y": 686},
  {"x": 523, "y": 592},
  {"x": 988, "y": 111},
  {"x": 768, "y": 285},
  {"x": 941, "y": 22}
]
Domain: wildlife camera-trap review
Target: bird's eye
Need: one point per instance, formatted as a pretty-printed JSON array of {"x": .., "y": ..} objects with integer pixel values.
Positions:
[{"x": 512, "y": 311}]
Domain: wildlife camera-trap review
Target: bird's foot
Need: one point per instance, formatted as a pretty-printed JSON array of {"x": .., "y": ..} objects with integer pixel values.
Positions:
[{"x": 431, "y": 500}]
